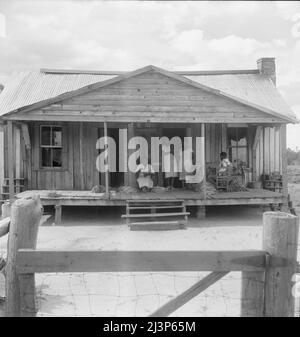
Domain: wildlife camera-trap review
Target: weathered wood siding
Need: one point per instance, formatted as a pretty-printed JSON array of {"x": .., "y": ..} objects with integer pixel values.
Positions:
[
  {"x": 85, "y": 174},
  {"x": 18, "y": 152},
  {"x": 79, "y": 159},
  {"x": 215, "y": 142},
  {"x": 268, "y": 152},
  {"x": 149, "y": 97}
]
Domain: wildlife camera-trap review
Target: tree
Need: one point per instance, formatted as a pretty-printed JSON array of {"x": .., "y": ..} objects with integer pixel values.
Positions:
[{"x": 293, "y": 156}]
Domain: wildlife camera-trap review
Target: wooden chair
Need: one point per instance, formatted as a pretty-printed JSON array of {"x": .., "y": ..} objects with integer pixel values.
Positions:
[{"x": 223, "y": 182}]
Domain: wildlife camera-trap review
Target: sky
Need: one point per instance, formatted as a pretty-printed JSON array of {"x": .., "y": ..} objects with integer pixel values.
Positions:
[{"x": 113, "y": 35}]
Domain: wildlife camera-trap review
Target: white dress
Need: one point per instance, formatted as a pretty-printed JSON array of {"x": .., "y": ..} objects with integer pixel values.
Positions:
[{"x": 144, "y": 179}]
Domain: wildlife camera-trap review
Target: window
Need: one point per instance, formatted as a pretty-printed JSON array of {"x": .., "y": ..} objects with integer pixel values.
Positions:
[
  {"x": 51, "y": 146},
  {"x": 238, "y": 146}
]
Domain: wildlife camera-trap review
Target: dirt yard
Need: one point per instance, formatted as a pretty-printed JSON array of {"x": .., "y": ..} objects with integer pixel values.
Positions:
[{"x": 139, "y": 294}]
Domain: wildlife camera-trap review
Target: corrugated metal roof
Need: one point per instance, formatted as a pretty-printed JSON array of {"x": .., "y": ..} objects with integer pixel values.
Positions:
[
  {"x": 253, "y": 88},
  {"x": 26, "y": 88}
]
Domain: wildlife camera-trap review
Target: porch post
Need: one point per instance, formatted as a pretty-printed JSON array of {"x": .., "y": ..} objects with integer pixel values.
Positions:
[
  {"x": 1, "y": 158},
  {"x": 204, "y": 177},
  {"x": 10, "y": 160},
  {"x": 131, "y": 175},
  {"x": 81, "y": 155},
  {"x": 26, "y": 139},
  {"x": 284, "y": 160},
  {"x": 201, "y": 210},
  {"x": 107, "y": 161},
  {"x": 18, "y": 158}
]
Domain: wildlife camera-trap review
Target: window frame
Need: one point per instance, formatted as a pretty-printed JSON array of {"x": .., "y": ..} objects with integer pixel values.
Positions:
[{"x": 41, "y": 146}]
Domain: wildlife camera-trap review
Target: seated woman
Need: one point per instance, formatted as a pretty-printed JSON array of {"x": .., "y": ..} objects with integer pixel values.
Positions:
[
  {"x": 144, "y": 179},
  {"x": 225, "y": 165}
]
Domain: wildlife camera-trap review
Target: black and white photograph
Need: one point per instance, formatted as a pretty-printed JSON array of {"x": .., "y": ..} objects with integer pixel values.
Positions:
[{"x": 149, "y": 161}]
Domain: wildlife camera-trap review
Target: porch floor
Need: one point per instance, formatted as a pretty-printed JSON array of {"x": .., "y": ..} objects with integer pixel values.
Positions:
[{"x": 86, "y": 198}]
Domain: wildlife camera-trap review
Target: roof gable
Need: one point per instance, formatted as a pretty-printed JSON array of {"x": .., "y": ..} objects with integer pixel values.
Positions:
[{"x": 194, "y": 81}]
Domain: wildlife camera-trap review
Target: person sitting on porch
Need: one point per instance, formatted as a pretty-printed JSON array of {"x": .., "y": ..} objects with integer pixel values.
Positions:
[
  {"x": 144, "y": 180},
  {"x": 188, "y": 171},
  {"x": 170, "y": 166},
  {"x": 225, "y": 164}
]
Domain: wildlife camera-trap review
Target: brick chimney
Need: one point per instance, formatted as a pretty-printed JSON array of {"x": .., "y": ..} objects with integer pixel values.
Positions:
[{"x": 267, "y": 67}]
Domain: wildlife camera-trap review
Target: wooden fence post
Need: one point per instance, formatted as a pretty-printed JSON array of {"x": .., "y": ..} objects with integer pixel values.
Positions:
[
  {"x": 25, "y": 218},
  {"x": 280, "y": 240},
  {"x": 252, "y": 294}
]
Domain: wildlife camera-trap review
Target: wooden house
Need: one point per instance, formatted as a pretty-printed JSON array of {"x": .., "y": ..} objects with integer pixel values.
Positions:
[{"x": 51, "y": 120}]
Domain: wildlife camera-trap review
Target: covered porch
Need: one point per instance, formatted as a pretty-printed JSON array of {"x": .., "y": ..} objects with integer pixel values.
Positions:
[{"x": 60, "y": 198}]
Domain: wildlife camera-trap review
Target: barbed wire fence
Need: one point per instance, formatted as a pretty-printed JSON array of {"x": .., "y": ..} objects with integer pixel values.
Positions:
[
  {"x": 139, "y": 294},
  {"x": 133, "y": 294}
]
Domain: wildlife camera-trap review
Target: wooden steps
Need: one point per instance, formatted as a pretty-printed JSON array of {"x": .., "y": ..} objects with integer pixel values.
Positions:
[
  {"x": 157, "y": 225},
  {"x": 151, "y": 215},
  {"x": 149, "y": 220}
]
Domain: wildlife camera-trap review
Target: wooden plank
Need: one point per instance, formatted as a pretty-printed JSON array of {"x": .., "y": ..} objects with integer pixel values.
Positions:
[
  {"x": 141, "y": 106},
  {"x": 192, "y": 201},
  {"x": 261, "y": 154},
  {"x": 156, "y": 207},
  {"x": 142, "y": 117},
  {"x": 284, "y": 160},
  {"x": 159, "y": 201},
  {"x": 131, "y": 178},
  {"x": 27, "y": 295},
  {"x": 10, "y": 160},
  {"x": 76, "y": 157},
  {"x": 51, "y": 261},
  {"x": 207, "y": 138},
  {"x": 204, "y": 159},
  {"x": 280, "y": 240},
  {"x": 2, "y": 162},
  {"x": 70, "y": 154},
  {"x": 189, "y": 294},
  {"x": 157, "y": 225},
  {"x": 58, "y": 211},
  {"x": 252, "y": 294},
  {"x": 257, "y": 136},
  {"x": 219, "y": 141},
  {"x": 272, "y": 149},
  {"x": 18, "y": 156},
  {"x": 224, "y": 137},
  {"x": 212, "y": 144},
  {"x": 26, "y": 136},
  {"x": 267, "y": 150},
  {"x": 107, "y": 161},
  {"x": 201, "y": 212},
  {"x": 277, "y": 149},
  {"x": 81, "y": 176},
  {"x": 157, "y": 215}
]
